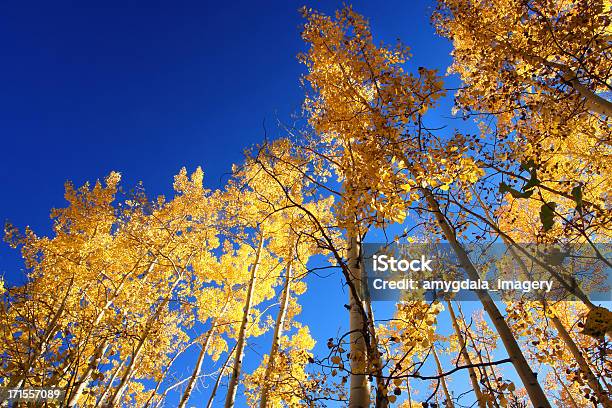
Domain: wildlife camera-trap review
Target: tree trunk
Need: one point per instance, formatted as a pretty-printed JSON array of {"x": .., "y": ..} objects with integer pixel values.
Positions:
[
  {"x": 585, "y": 369},
  {"x": 163, "y": 376},
  {"x": 527, "y": 376},
  {"x": 359, "y": 396},
  {"x": 95, "y": 360},
  {"x": 213, "y": 393},
  {"x": 382, "y": 400},
  {"x": 233, "y": 384},
  {"x": 198, "y": 367},
  {"x": 449, "y": 399},
  {"x": 80, "y": 385},
  {"x": 109, "y": 386},
  {"x": 127, "y": 375},
  {"x": 593, "y": 101},
  {"x": 571, "y": 287},
  {"x": 278, "y": 332},
  {"x": 567, "y": 390},
  {"x": 202, "y": 355},
  {"x": 590, "y": 377},
  {"x": 485, "y": 378},
  {"x": 466, "y": 357}
]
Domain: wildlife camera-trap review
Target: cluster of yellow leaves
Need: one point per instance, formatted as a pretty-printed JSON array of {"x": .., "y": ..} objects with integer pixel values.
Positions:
[
  {"x": 113, "y": 294},
  {"x": 412, "y": 329},
  {"x": 513, "y": 54},
  {"x": 366, "y": 110},
  {"x": 290, "y": 383},
  {"x": 542, "y": 70}
]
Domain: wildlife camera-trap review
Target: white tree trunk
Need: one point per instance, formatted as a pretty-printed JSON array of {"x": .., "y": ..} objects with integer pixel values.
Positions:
[
  {"x": 466, "y": 357},
  {"x": 129, "y": 371},
  {"x": 449, "y": 399},
  {"x": 359, "y": 396},
  {"x": 198, "y": 367},
  {"x": 278, "y": 332},
  {"x": 593, "y": 102},
  {"x": 591, "y": 378},
  {"x": 232, "y": 387},
  {"x": 527, "y": 376}
]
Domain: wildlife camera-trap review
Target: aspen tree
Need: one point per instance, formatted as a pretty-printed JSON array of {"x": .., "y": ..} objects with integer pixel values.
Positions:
[
  {"x": 198, "y": 366},
  {"x": 449, "y": 399},
  {"x": 502, "y": 48},
  {"x": 324, "y": 36},
  {"x": 135, "y": 356},
  {"x": 521, "y": 70},
  {"x": 466, "y": 356},
  {"x": 119, "y": 246},
  {"x": 359, "y": 396},
  {"x": 564, "y": 335},
  {"x": 356, "y": 70},
  {"x": 278, "y": 330},
  {"x": 536, "y": 394},
  {"x": 241, "y": 339},
  {"x": 297, "y": 216},
  {"x": 226, "y": 363}
]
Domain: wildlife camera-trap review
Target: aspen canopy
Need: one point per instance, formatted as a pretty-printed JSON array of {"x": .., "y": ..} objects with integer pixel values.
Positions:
[{"x": 201, "y": 297}]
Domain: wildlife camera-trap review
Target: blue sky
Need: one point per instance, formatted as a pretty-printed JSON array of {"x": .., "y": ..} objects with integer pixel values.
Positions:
[{"x": 145, "y": 88}]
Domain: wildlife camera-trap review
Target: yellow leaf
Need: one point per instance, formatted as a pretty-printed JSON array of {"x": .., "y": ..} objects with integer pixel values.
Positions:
[{"x": 400, "y": 217}]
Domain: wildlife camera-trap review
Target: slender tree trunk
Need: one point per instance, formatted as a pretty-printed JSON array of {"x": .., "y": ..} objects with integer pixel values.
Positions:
[
  {"x": 236, "y": 371},
  {"x": 527, "y": 376},
  {"x": 449, "y": 399},
  {"x": 102, "y": 400},
  {"x": 571, "y": 286},
  {"x": 585, "y": 369},
  {"x": 278, "y": 332},
  {"x": 382, "y": 400},
  {"x": 409, "y": 392},
  {"x": 116, "y": 396},
  {"x": 602, "y": 396},
  {"x": 494, "y": 375},
  {"x": 197, "y": 369},
  {"x": 567, "y": 390},
  {"x": 163, "y": 376},
  {"x": 127, "y": 375},
  {"x": 466, "y": 357},
  {"x": 163, "y": 396},
  {"x": 202, "y": 355},
  {"x": 359, "y": 396},
  {"x": 485, "y": 378},
  {"x": 593, "y": 101},
  {"x": 213, "y": 393},
  {"x": 80, "y": 385}
]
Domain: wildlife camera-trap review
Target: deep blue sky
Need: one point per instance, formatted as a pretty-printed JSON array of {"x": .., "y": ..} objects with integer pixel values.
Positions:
[{"x": 146, "y": 87}]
